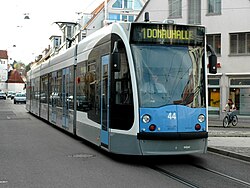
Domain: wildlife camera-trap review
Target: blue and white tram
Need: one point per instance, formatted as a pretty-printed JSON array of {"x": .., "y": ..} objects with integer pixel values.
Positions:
[{"x": 98, "y": 89}]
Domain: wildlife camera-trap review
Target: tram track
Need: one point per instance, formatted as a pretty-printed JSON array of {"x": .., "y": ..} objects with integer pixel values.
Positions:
[
  {"x": 174, "y": 176},
  {"x": 223, "y": 175},
  {"x": 190, "y": 183}
]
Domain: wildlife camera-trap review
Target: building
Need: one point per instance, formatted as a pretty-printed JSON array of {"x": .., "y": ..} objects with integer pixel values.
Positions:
[
  {"x": 3, "y": 69},
  {"x": 106, "y": 13},
  {"x": 10, "y": 80},
  {"x": 15, "y": 81},
  {"x": 228, "y": 31}
]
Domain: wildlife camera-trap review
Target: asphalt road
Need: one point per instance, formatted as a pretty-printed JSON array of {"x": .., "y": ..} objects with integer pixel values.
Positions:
[{"x": 35, "y": 154}]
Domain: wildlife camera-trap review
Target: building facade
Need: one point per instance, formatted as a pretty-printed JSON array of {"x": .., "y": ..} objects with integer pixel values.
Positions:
[
  {"x": 111, "y": 11},
  {"x": 107, "y": 12},
  {"x": 10, "y": 80},
  {"x": 3, "y": 69},
  {"x": 228, "y": 32}
]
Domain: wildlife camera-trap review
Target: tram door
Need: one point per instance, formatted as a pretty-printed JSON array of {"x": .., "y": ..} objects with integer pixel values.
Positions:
[
  {"x": 105, "y": 101},
  {"x": 54, "y": 99},
  {"x": 65, "y": 95}
]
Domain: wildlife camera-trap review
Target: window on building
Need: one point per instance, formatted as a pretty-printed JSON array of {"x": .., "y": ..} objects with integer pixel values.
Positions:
[
  {"x": 117, "y": 4},
  {"x": 214, "y": 96},
  {"x": 57, "y": 42},
  {"x": 137, "y": 5},
  {"x": 240, "y": 93},
  {"x": 69, "y": 31},
  {"x": 127, "y": 4},
  {"x": 213, "y": 82},
  {"x": 194, "y": 12},
  {"x": 214, "y": 6},
  {"x": 127, "y": 18},
  {"x": 121, "y": 17},
  {"x": 215, "y": 41},
  {"x": 240, "y": 43},
  {"x": 114, "y": 17},
  {"x": 175, "y": 10},
  {"x": 241, "y": 82}
]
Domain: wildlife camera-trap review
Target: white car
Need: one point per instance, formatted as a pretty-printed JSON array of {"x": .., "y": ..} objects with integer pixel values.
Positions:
[
  {"x": 2, "y": 95},
  {"x": 10, "y": 93},
  {"x": 20, "y": 98}
]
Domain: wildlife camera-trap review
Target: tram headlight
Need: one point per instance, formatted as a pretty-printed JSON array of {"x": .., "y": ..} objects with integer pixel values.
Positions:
[
  {"x": 201, "y": 118},
  {"x": 146, "y": 118}
]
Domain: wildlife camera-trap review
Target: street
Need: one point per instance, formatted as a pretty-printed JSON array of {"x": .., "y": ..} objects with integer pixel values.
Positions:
[{"x": 36, "y": 154}]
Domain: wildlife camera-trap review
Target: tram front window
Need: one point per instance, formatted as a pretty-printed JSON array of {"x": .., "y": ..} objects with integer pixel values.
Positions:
[{"x": 169, "y": 75}]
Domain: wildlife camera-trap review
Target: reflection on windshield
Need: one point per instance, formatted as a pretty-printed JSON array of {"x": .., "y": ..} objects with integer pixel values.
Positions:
[{"x": 169, "y": 75}]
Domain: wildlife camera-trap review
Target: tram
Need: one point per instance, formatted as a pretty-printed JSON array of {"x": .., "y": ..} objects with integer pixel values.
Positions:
[{"x": 96, "y": 89}]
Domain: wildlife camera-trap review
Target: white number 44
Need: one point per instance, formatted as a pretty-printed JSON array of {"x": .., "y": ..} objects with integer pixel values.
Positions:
[{"x": 172, "y": 115}]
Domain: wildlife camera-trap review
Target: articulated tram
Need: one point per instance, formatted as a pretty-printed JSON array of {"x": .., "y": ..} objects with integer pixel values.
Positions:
[{"x": 96, "y": 89}]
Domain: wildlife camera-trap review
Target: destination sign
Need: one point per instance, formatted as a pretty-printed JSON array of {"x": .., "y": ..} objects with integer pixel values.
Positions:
[{"x": 167, "y": 34}]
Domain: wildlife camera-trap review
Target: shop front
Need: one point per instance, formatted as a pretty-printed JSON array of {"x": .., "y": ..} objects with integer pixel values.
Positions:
[{"x": 233, "y": 86}]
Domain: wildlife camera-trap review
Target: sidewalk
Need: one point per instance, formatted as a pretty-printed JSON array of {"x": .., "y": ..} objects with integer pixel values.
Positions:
[
  {"x": 232, "y": 143},
  {"x": 243, "y": 122}
]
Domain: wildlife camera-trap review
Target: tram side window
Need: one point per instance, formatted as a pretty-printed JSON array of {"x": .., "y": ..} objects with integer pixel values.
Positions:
[
  {"x": 36, "y": 89},
  {"x": 93, "y": 79},
  {"x": 93, "y": 91},
  {"x": 50, "y": 88},
  {"x": 44, "y": 89},
  {"x": 55, "y": 88},
  {"x": 32, "y": 90},
  {"x": 28, "y": 90},
  {"x": 71, "y": 87},
  {"x": 82, "y": 80},
  {"x": 59, "y": 88},
  {"x": 123, "y": 86}
]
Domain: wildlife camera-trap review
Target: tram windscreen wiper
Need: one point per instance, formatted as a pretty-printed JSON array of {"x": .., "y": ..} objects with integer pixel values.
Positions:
[{"x": 190, "y": 96}]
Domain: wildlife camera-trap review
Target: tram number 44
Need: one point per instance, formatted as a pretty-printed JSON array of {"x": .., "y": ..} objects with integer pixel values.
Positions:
[{"x": 172, "y": 115}]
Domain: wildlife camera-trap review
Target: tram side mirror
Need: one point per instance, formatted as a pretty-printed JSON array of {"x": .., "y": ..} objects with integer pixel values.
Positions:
[
  {"x": 116, "y": 59},
  {"x": 212, "y": 60}
]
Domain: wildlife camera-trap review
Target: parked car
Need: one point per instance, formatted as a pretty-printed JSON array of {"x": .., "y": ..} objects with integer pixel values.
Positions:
[
  {"x": 10, "y": 93},
  {"x": 2, "y": 95},
  {"x": 20, "y": 98}
]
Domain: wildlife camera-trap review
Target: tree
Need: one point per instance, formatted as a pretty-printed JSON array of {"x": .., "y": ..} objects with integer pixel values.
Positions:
[
  {"x": 18, "y": 65},
  {"x": 27, "y": 68}
]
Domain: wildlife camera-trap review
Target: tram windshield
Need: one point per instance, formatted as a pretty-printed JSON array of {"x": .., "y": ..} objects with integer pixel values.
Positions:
[{"x": 168, "y": 75}]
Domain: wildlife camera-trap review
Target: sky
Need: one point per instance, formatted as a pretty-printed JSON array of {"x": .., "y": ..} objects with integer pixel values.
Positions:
[{"x": 24, "y": 39}]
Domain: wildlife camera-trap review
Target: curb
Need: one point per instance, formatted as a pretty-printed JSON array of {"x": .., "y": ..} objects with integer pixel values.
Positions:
[{"x": 229, "y": 154}]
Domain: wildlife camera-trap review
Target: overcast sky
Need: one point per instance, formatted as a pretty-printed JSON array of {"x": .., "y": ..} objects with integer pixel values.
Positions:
[{"x": 31, "y": 36}]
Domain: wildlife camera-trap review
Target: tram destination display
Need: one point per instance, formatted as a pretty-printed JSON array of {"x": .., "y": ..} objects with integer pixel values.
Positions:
[{"x": 167, "y": 34}]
